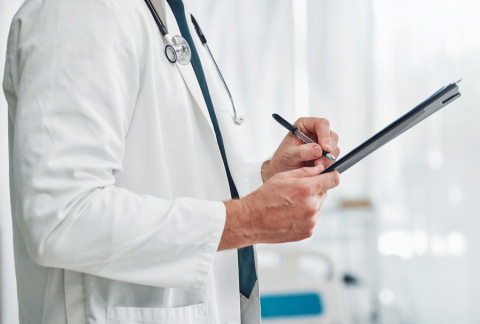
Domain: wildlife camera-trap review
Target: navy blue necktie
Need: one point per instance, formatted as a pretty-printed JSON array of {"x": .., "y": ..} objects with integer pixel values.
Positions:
[{"x": 246, "y": 260}]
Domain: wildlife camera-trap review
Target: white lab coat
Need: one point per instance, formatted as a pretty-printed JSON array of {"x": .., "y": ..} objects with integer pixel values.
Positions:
[{"x": 117, "y": 181}]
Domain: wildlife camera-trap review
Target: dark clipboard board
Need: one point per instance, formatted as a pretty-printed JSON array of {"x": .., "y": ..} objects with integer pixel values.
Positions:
[{"x": 434, "y": 103}]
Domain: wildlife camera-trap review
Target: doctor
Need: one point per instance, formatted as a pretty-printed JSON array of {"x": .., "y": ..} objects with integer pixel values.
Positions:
[{"x": 123, "y": 167}]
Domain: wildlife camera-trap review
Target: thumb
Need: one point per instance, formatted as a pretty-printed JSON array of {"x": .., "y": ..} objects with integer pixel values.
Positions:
[
  {"x": 306, "y": 152},
  {"x": 306, "y": 172}
]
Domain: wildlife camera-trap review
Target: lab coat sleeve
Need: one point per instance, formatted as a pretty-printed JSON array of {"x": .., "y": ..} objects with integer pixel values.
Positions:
[
  {"x": 75, "y": 78},
  {"x": 254, "y": 174}
]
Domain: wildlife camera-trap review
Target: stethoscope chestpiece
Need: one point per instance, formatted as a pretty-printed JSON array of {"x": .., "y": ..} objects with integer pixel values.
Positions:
[
  {"x": 178, "y": 50},
  {"x": 170, "y": 53}
]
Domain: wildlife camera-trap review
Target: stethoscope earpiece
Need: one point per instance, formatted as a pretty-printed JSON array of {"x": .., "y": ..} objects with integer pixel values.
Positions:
[{"x": 240, "y": 120}]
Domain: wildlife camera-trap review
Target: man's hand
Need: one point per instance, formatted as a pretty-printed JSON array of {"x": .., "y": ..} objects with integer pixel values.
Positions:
[
  {"x": 293, "y": 153},
  {"x": 285, "y": 209}
]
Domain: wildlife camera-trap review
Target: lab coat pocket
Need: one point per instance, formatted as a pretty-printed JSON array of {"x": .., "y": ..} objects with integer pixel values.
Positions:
[{"x": 193, "y": 314}]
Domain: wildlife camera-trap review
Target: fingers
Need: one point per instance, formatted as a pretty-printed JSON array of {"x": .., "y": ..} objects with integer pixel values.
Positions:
[
  {"x": 333, "y": 141},
  {"x": 327, "y": 181},
  {"x": 318, "y": 126},
  {"x": 326, "y": 162},
  {"x": 307, "y": 152},
  {"x": 336, "y": 153},
  {"x": 322, "y": 129},
  {"x": 306, "y": 172}
]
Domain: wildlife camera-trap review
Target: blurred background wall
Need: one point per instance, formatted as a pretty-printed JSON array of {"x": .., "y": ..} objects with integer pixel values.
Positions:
[{"x": 403, "y": 228}]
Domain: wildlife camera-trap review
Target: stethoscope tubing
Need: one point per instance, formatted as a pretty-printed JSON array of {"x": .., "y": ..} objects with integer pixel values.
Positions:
[
  {"x": 236, "y": 121},
  {"x": 156, "y": 17},
  {"x": 164, "y": 31}
]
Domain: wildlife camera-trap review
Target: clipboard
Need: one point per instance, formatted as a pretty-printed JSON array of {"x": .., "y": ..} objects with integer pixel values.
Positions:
[{"x": 434, "y": 103}]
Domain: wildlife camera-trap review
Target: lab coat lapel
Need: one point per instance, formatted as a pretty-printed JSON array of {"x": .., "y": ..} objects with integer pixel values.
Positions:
[{"x": 186, "y": 71}]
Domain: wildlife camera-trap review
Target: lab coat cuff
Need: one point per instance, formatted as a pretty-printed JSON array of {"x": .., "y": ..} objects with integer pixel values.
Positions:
[
  {"x": 217, "y": 221},
  {"x": 254, "y": 174}
]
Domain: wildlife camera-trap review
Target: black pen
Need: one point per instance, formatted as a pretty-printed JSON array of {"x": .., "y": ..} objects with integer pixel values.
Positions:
[{"x": 302, "y": 136}]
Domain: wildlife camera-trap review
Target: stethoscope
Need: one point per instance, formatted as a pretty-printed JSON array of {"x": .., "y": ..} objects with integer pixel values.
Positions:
[{"x": 178, "y": 50}]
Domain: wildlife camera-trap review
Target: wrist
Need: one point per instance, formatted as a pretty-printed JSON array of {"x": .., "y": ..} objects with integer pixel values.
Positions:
[{"x": 239, "y": 227}]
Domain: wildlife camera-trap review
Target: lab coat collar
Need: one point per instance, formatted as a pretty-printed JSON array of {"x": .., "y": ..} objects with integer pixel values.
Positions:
[{"x": 186, "y": 71}]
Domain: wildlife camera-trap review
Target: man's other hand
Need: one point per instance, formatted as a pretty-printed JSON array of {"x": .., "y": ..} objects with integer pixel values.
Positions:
[{"x": 285, "y": 209}]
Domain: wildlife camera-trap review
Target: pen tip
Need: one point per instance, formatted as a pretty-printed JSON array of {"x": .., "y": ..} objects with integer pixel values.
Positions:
[{"x": 330, "y": 157}]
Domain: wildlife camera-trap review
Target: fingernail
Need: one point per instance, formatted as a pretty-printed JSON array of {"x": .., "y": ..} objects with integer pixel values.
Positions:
[{"x": 317, "y": 151}]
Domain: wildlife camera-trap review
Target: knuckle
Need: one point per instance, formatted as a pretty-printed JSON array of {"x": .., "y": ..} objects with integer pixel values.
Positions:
[
  {"x": 305, "y": 190},
  {"x": 334, "y": 136},
  {"x": 311, "y": 224},
  {"x": 305, "y": 170},
  {"x": 336, "y": 178},
  {"x": 311, "y": 210},
  {"x": 308, "y": 233},
  {"x": 322, "y": 196},
  {"x": 299, "y": 121},
  {"x": 324, "y": 122}
]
